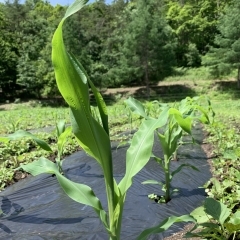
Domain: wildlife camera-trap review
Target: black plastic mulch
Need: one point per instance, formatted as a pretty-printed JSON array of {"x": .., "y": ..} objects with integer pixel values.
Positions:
[{"x": 37, "y": 208}]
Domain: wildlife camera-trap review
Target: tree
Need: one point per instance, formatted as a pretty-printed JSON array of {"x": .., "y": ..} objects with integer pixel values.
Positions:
[
  {"x": 85, "y": 36},
  {"x": 147, "y": 45},
  {"x": 195, "y": 25},
  {"x": 8, "y": 54},
  {"x": 226, "y": 55},
  {"x": 34, "y": 35},
  {"x": 34, "y": 69},
  {"x": 11, "y": 13}
]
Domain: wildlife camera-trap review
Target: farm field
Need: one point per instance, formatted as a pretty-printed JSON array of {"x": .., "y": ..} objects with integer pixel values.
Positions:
[{"x": 40, "y": 119}]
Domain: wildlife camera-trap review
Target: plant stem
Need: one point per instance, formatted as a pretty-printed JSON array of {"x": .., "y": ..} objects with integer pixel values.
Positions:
[
  {"x": 111, "y": 203},
  {"x": 167, "y": 178}
]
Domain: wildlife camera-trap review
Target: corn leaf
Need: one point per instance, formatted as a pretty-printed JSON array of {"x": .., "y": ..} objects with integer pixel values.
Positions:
[
  {"x": 60, "y": 127},
  {"x": 150, "y": 182},
  {"x": 184, "y": 123},
  {"x": 136, "y": 107},
  {"x": 78, "y": 192},
  {"x": 140, "y": 149},
  {"x": 100, "y": 102},
  {"x": 164, "y": 225},
  {"x": 164, "y": 144},
  {"x": 204, "y": 117},
  {"x": 180, "y": 168},
  {"x": 73, "y": 85},
  {"x": 22, "y": 133},
  {"x": 62, "y": 139}
]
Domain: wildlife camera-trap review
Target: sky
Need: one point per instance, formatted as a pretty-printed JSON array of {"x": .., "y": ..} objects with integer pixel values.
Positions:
[{"x": 64, "y": 2}]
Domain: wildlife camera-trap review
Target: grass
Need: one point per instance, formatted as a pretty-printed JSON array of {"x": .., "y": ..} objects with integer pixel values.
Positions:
[
  {"x": 196, "y": 74},
  {"x": 27, "y": 117}
]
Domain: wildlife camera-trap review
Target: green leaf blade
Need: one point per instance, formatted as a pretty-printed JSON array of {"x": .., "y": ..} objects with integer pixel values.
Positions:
[
  {"x": 164, "y": 225},
  {"x": 182, "y": 166},
  {"x": 78, "y": 192},
  {"x": 150, "y": 182},
  {"x": 217, "y": 210},
  {"x": 73, "y": 85},
  {"x": 22, "y": 133},
  {"x": 140, "y": 150},
  {"x": 136, "y": 106}
]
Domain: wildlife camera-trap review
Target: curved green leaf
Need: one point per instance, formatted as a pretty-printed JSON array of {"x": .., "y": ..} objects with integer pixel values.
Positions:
[
  {"x": 78, "y": 192},
  {"x": 217, "y": 210},
  {"x": 136, "y": 106},
  {"x": 164, "y": 225},
  {"x": 184, "y": 123},
  {"x": 98, "y": 97},
  {"x": 73, "y": 85},
  {"x": 22, "y": 133},
  {"x": 74, "y": 7},
  {"x": 180, "y": 168},
  {"x": 151, "y": 182},
  {"x": 140, "y": 149},
  {"x": 60, "y": 127},
  {"x": 62, "y": 139},
  {"x": 200, "y": 215},
  {"x": 235, "y": 218}
]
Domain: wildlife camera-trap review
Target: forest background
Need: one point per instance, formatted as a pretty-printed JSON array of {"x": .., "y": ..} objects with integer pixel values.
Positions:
[{"x": 125, "y": 43}]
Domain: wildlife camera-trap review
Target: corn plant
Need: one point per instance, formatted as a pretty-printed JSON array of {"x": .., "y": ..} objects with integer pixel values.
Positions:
[
  {"x": 179, "y": 119},
  {"x": 61, "y": 132}
]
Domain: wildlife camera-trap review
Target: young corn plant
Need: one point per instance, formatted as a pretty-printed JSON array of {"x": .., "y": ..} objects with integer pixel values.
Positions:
[
  {"x": 179, "y": 119},
  {"x": 62, "y": 134}
]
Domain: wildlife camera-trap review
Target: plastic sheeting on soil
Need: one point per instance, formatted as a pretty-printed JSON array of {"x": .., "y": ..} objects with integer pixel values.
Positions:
[{"x": 37, "y": 208}]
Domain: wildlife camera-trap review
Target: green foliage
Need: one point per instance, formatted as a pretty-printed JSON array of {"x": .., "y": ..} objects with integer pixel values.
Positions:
[
  {"x": 21, "y": 133},
  {"x": 147, "y": 49},
  {"x": 195, "y": 25},
  {"x": 164, "y": 225},
  {"x": 215, "y": 221},
  {"x": 219, "y": 217},
  {"x": 222, "y": 186},
  {"x": 126, "y": 42},
  {"x": 8, "y": 53},
  {"x": 225, "y": 55}
]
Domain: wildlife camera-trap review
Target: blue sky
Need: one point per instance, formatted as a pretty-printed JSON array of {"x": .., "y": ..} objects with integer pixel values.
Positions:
[{"x": 65, "y": 2}]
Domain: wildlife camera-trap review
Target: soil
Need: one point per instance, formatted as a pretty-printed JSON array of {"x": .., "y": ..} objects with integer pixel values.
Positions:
[{"x": 180, "y": 235}]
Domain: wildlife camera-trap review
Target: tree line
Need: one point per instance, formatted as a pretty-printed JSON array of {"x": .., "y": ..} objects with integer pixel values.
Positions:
[{"x": 127, "y": 42}]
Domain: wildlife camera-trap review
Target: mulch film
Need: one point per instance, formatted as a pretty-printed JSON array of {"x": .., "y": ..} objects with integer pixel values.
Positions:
[{"x": 36, "y": 208}]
